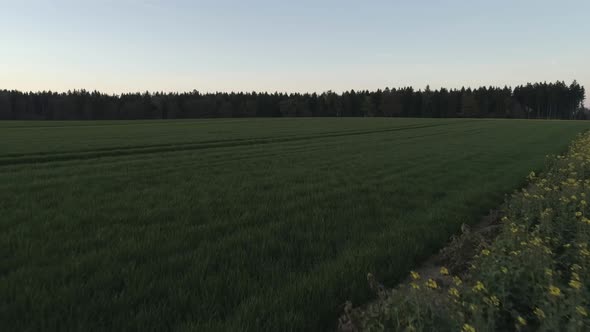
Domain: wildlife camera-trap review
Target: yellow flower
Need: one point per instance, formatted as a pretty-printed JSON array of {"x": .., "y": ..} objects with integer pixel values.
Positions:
[
  {"x": 454, "y": 292},
  {"x": 492, "y": 300},
  {"x": 504, "y": 269},
  {"x": 575, "y": 284},
  {"x": 495, "y": 300},
  {"x": 583, "y": 202},
  {"x": 578, "y": 214},
  {"x": 573, "y": 198},
  {"x": 414, "y": 285},
  {"x": 415, "y": 275},
  {"x": 536, "y": 241},
  {"x": 582, "y": 311},
  {"x": 431, "y": 284},
  {"x": 485, "y": 252},
  {"x": 479, "y": 286},
  {"x": 468, "y": 328},
  {"x": 457, "y": 281},
  {"x": 548, "y": 272},
  {"x": 444, "y": 271},
  {"x": 555, "y": 291},
  {"x": 521, "y": 320},
  {"x": 539, "y": 313}
]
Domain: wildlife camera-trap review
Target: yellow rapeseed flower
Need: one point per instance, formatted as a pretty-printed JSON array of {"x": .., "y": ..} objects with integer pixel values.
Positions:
[
  {"x": 539, "y": 313},
  {"x": 415, "y": 275},
  {"x": 414, "y": 285},
  {"x": 468, "y": 328},
  {"x": 536, "y": 241},
  {"x": 521, "y": 320},
  {"x": 457, "y": 281},
  {"x": 549, "y": 272},
  {"x": 575, "y": 284},
  {"x": 504, "y": 269},
  {"x": 513, "y": 228},
  {"x": 492, "y": 300},
  {"x": 479, "y": 286},
  {"x": 454, "y": 292},
  {"x": 495, "y": 300},
  {"x": 555, "y": 291},
  {"x": 578, "y": 214},
  {"x": 431, "y": 284},
  {"x": 485, "y": 252},
  {"x": 582, "y": 311},
  {"x": 444, "y": 271}
]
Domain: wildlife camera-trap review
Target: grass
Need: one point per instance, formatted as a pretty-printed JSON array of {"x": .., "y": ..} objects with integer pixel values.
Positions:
[
  {"x": 254, "y": 224},
  {"x": 532, "y": 274}
]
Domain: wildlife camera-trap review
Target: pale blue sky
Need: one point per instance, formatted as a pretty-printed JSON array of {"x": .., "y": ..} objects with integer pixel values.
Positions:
[{"x": 138, "y": 45}]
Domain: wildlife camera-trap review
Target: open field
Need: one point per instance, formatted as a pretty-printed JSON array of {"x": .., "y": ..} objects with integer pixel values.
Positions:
[{"x": 258, "y": 224}]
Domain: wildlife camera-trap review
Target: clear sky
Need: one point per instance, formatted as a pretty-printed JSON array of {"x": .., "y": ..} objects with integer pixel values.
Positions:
[{"x": 299, "y": 45}]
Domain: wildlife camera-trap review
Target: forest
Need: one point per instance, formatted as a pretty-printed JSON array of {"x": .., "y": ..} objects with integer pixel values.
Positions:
[{"x": 531, "y": 101}]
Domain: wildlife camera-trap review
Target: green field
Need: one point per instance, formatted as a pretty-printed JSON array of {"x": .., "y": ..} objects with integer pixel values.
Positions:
[{"x": 254, "y": 224}]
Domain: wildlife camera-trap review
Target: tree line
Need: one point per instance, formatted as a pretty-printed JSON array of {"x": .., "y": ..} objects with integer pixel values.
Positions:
[{"x": 531, "y": 101}]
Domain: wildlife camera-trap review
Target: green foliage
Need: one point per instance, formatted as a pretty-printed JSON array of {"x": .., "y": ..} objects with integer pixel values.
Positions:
[
  {"x": 258, "y": 224},
  {"x": 535, "y": 276}
]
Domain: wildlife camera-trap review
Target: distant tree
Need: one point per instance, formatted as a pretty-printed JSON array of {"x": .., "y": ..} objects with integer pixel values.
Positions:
[
  {"x": 539, "y": 100},
  {"x": 469, "y": 106},
  {"x": 368, "y": 108}
]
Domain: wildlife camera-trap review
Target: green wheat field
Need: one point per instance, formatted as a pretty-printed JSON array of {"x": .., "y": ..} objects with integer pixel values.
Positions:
[{"x": 239, "y": 224}]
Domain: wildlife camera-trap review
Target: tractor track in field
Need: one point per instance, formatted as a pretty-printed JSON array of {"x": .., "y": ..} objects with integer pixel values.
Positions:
[{"x": 37, "y": 158}]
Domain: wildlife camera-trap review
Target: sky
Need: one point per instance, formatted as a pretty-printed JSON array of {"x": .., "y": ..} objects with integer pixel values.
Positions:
[{"x": 290, "y": 46}]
